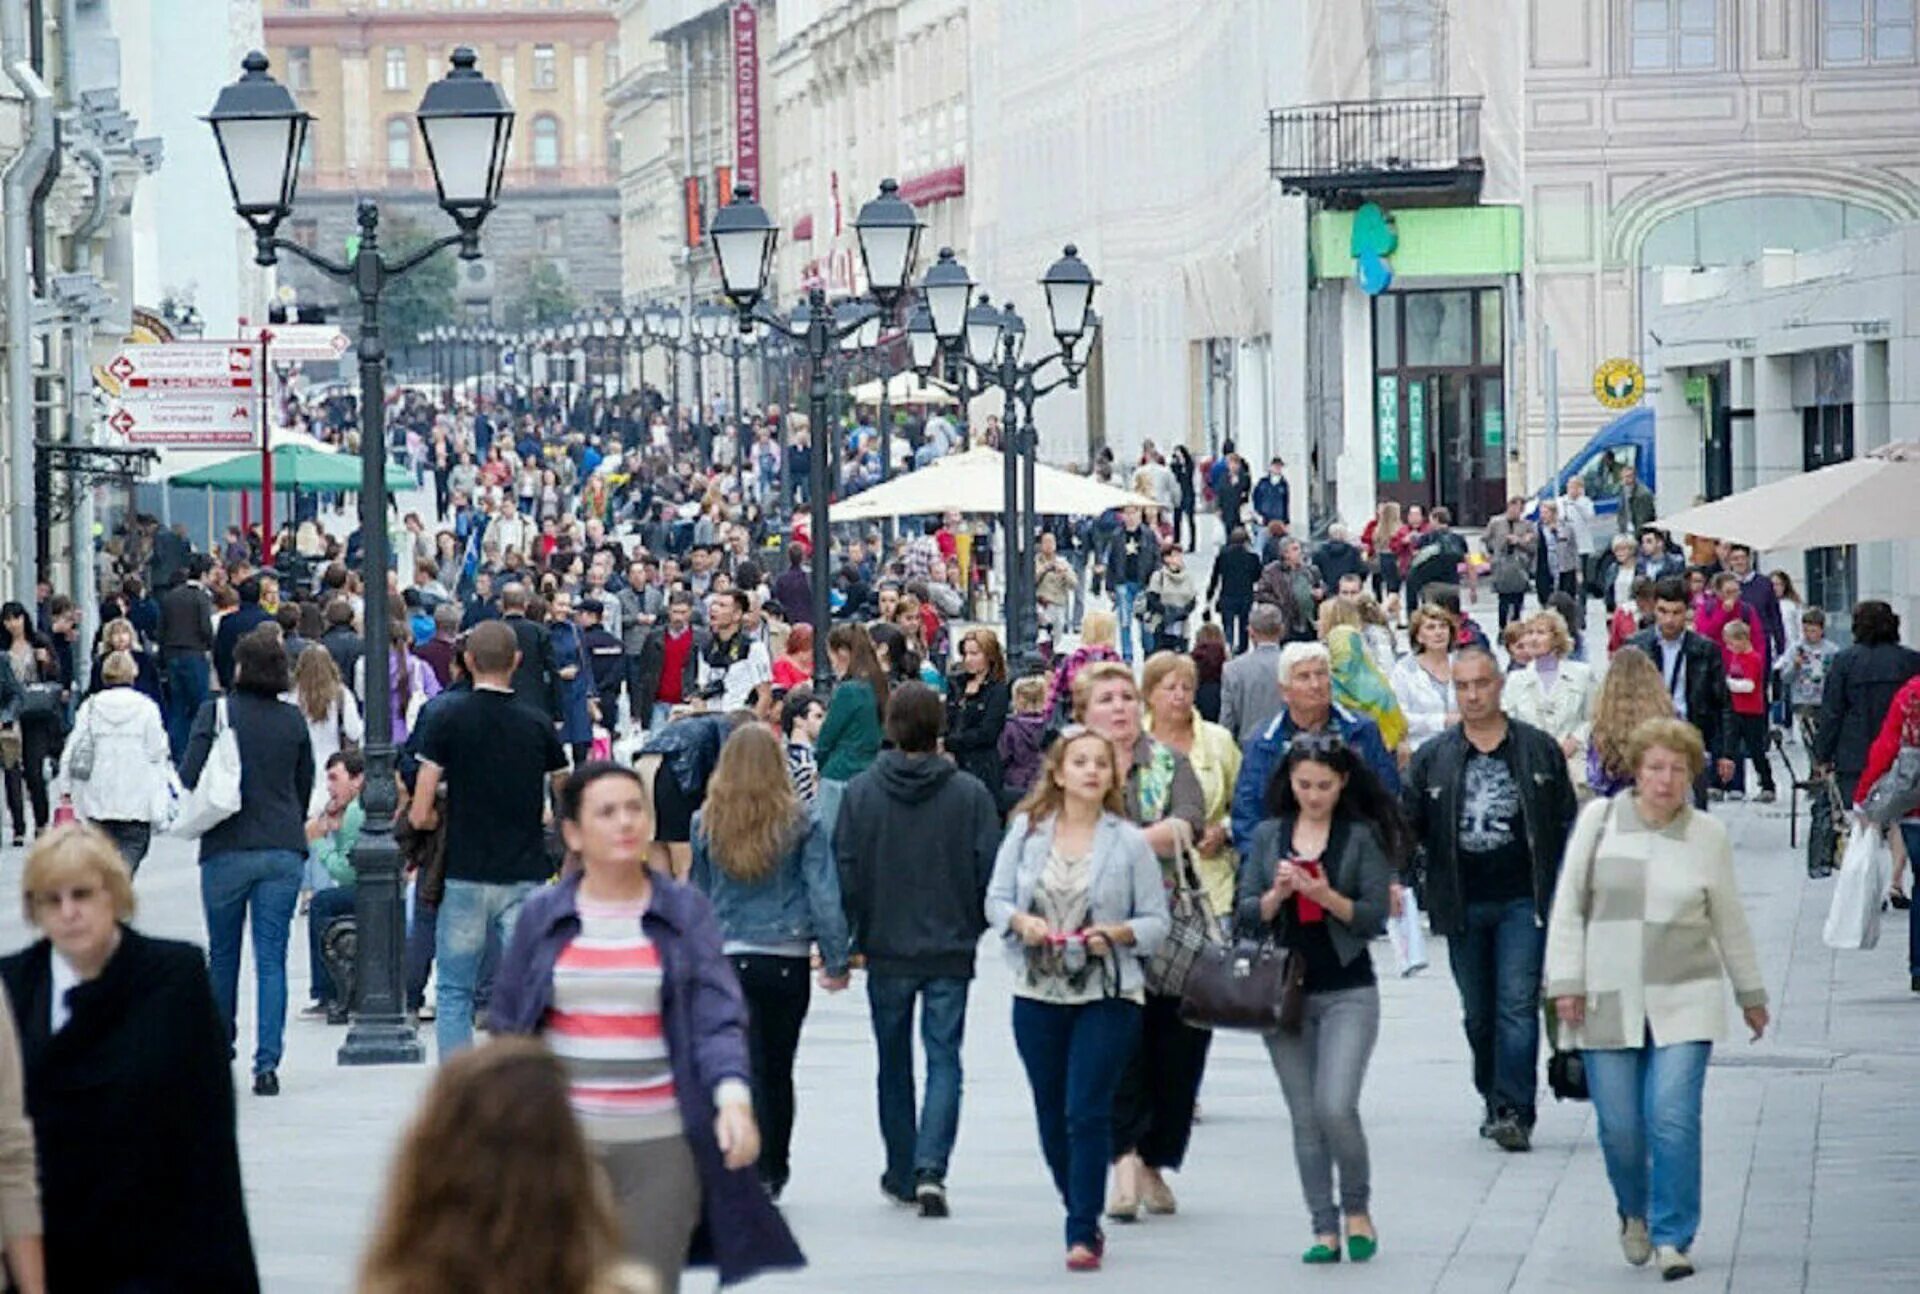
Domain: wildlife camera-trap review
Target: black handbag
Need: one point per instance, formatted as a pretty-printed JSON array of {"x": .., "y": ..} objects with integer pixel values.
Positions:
[
  {"x": 1567, "y": 1076},
  {"x": 1245, "y": 985},
  {"x": 40, "y": 701}
]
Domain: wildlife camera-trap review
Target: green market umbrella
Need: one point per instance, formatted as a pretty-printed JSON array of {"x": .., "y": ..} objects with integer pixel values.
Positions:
[{"x": 295, "y": 467}]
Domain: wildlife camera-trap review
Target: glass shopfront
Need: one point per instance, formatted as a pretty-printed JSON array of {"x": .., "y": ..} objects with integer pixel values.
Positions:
[{"x": 1440, "y": 434}]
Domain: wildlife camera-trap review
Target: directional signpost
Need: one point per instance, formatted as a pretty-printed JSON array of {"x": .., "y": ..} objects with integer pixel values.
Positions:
[
  {"x": 317, "y": 343},
  {"x": 198, "y": 367},
  {"x": 191, "y": 422},
  {"x": 186, "y": 395}
]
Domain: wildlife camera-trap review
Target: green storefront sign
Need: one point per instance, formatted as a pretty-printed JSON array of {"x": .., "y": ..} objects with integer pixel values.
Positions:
[
  {"x": 1387, "y": 418},
  {"x": 1416, "y": 431},
  {"x": 1493, "y": 427}
]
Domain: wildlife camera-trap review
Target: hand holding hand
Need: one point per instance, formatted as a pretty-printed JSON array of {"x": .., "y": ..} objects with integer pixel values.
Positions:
[{"x": 834, "y": 983}]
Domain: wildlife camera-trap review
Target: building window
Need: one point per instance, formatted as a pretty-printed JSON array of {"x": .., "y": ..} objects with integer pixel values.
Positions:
[
  {"x": 396, "y": 68},
  {"x": 1406, "y": 47},
  {"x": 1674, "y": 35},
  {"x": 1855, "y": 32},
  {"x": 299, "y": 67},
  {"x": 546, "y": 71},
  {"x": 549, "y": 233},
  {"x": 546, "y": 141},
  {"x": 399, "y": 145},
  {"x": 305, "y": 232}
]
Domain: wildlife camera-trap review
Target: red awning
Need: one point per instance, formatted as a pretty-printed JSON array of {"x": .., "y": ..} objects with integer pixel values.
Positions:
[
  {"x": 803, "y": 228},
  {"x": 935, "y": 186}
]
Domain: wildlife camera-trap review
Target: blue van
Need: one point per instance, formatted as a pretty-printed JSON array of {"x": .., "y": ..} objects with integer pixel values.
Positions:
[{"x": 1628, "y": 438}]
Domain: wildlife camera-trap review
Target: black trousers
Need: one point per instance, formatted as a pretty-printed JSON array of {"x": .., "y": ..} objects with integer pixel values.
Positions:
[
  {"x": 37, "y": 738},
  {"x": 1512, "y": 606},
  {"x": 1233, "y": 623},
  {"x": 778, "y": 991},
  {"x": 1750, "y": 742},
  {"x": 1153, "y": 1109}
]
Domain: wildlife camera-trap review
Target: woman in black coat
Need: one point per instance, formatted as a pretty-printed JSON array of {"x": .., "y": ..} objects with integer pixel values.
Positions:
[
  {"x": 977, "y": 700},
  {"x": 128, "y": 1087},
  {"x": 1861, "y": 681}
]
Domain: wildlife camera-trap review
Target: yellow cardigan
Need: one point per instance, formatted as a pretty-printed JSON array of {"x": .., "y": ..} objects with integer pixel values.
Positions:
[{"x": 1216, "y": 762}]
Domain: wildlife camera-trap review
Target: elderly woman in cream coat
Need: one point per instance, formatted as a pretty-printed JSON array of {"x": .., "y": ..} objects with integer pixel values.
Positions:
[
  {"x": 1554, "y": 693},
  {"x": 1646, "y": 925}
]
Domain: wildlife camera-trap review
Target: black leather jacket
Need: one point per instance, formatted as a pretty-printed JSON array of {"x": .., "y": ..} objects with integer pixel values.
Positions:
[{"x": 1430, "y": 797}]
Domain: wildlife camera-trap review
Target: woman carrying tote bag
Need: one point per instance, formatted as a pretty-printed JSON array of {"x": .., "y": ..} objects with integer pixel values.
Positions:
[{"x": 1317, "y": 875}]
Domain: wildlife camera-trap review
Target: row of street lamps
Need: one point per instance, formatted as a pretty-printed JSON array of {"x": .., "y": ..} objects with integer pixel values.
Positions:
[{"x": 466, "y": 123}]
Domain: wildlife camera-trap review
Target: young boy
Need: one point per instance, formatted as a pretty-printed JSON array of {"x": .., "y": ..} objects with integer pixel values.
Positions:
[
  {"x": 801, "y": 715},
  {"x": 1024, "y": 740},
  {"x": 1746, "y": 680},
  {"x": 1803, "y": 671}
]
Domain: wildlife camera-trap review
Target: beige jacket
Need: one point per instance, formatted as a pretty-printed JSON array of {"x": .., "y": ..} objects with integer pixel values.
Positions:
[
  {"x": 1646, "y": 926},
  {"x": 19, "y": 1175}
]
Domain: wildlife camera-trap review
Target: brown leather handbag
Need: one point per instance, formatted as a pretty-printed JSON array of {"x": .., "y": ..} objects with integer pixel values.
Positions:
[{"x": 1249, "y": 984}]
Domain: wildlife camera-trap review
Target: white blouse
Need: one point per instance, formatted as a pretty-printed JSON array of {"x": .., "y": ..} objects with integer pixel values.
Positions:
[{"x": 1426, "y": 702}]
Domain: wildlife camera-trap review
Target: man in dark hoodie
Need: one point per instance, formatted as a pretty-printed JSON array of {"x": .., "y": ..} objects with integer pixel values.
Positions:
[
  {"x": 243, "y": 620},
  {"x": 915, "y": 841},
  {"x": 1337, "y": 556}
]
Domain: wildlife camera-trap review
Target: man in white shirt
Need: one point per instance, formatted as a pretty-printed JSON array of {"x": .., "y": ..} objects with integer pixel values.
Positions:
[
  {"x": 510, "y": 529},
  {"x": 734, "y": 671}
]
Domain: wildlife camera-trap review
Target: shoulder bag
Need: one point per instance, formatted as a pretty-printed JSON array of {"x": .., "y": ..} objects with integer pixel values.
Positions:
[
  {"x": 216, "y": 797},
  {"x": 80, "y": 752},
  {"x": 1567, "y": 1068},
  {"x": 1193, "y": 927},
  {"x": 1897, "y": 792},
  {"x": 1250, "y": 984}
]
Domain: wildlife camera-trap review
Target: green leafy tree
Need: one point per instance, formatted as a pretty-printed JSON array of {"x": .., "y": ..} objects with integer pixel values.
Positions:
[
  {"x": 423, "y": 298},
  {"x": 547, "y": 298}
]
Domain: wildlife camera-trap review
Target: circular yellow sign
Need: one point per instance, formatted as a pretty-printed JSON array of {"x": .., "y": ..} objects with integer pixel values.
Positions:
[{"x": 1619, "y": 383}]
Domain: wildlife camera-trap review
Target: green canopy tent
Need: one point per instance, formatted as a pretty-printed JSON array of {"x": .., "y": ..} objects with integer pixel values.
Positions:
[{"x": 295, "y": 468}]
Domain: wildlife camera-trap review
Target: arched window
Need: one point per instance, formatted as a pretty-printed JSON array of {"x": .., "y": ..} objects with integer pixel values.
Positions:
[
  {"x": 546, "y": 141},
  {"x": 399, "y": 145}
]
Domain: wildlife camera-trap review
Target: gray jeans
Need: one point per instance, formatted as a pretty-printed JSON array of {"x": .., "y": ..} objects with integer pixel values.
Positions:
[
  {"x": 1320, "y": 1072},
  {"x": 656, "y": 1196}
]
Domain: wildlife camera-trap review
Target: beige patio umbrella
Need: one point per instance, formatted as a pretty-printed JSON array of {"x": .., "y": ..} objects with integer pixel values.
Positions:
[
  {"x": 1861, "y": 501},
  {"x": 902, "y": 389},
  {"x": 970, "y": 483}
]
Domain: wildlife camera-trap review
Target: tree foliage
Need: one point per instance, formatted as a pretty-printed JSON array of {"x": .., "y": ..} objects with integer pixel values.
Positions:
[
  {"x": 548, "y": 298},
  {"x": 423, "y": 298}
]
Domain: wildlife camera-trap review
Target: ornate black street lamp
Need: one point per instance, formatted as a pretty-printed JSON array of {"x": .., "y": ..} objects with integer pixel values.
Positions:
[
  {"x": 744, "y": 237},
  {"x": 466, "y": 122}
]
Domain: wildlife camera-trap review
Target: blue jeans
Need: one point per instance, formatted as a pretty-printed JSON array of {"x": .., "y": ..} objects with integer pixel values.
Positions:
[
  {"x": 263, "y": 884},
  {"x": 421, "y": 925},
  {"x": 1910, "y": 832},
  {"x": 327, "y": 905},
  {"x": 1074, "y": 1057},
  {"x": 918, "y": 1147},
  {"x": 1123, "y": 597},
  {"x": 188, "y": 678},
  {"x": 1647, "y": 1101},
  {"x": 467, "y": 911},
  {"x": 1496, "y": 966}
]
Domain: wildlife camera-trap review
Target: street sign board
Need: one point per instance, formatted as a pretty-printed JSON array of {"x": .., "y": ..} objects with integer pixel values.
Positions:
[
  {"x": 321, "y": 343},
  {"x": 186, "y": 367},
  {"x": 185, "y": 422}
]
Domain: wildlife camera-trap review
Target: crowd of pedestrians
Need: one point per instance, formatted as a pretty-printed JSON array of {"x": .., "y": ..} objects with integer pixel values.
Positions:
[{"x": 637, "y": 829}]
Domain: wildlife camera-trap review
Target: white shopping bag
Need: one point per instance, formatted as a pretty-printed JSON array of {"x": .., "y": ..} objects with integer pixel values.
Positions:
[
  {"x": 1409, "y": 937},
  {"x": 1866, "y": 869}
]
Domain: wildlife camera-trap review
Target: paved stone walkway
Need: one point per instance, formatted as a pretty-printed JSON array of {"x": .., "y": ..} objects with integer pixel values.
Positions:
[{"x": 1813, "y": 1148}]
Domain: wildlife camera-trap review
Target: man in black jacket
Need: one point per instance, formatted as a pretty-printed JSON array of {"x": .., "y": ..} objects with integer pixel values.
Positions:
[
  {"x": 1230, "y": 588},
  {"x": 1696, "y": 677},
  {"x": 342, "y": 643},
  {"x": 536, "y": 678},
  {"x": 241, "y": 621},
  {"x": 917, "y": 912},
  {"x": 1490, "y": 806},
  {"x": 647, "y": 687},
  {"x": 1130, "y": 559},
  {"x": 186, "y": 643}
]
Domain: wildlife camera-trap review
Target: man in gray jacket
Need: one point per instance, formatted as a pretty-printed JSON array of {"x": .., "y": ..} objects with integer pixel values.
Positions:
[{"x": 1250, "y": 683}]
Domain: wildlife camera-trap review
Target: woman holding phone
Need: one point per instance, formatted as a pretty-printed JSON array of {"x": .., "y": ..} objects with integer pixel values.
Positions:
[{"x": 1317, "y": 875}]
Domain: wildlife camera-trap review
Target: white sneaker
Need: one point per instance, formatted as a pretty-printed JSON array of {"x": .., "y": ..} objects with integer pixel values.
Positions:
[
  {"x": 1674, "y": 1264},
  {"x": 1634, "y": 1242}
]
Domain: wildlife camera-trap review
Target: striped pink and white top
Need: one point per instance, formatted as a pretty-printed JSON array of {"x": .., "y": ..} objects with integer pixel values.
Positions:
[{"x": 605, "y": 1025}]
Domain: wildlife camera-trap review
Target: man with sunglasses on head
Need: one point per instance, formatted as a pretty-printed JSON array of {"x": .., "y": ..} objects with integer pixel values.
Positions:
[{"x": 1490, "y": 804}]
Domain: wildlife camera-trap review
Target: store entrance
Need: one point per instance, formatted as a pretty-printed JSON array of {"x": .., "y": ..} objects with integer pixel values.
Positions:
[{"x": 1439, "y": 402}]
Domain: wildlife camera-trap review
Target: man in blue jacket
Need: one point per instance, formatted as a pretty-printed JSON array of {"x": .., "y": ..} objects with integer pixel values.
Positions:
[
  {"x": 1306, "y": 687},
  {"x": 1271, "y": 496}
]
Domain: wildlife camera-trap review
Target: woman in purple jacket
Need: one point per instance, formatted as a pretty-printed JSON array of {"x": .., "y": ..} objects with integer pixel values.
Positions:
[{"x": 620, "y": 970}]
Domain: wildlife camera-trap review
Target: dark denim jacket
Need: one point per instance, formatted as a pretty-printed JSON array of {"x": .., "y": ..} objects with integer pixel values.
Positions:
[
  {"x": 800, "y": 901},
  {"x": 705, "y": 1016}
]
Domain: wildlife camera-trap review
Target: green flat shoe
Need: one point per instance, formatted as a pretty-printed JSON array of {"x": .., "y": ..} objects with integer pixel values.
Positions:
[
  {"x": 1321, "y": 1254},
  {"x": 1362, "y": 1248}
]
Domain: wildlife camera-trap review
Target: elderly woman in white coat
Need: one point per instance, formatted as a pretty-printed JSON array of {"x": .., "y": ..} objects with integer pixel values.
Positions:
[
  {"x": 115, "y": 764},
  {"x": 1646, "y": 928},
  {"x": 1554, "y": 693},
  {"x": 1077, "y": 898}
]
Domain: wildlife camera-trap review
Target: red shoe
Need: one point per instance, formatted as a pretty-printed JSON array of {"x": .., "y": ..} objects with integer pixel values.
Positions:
[{"x": 1081, "y": 1258}]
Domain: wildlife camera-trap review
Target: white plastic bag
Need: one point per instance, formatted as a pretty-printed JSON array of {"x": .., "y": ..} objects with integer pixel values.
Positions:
[
  {"x": 216, "y": 796},
  {"x": 1408, "y": 936},
  {"x": 1866, "y": 869}
]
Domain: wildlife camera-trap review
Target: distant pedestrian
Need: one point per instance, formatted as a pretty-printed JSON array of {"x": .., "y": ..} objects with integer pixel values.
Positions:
[
  {"x": 115, "y": 762},
  {"x": 977, "y": 701},
  {"x": 917, "y": 914}
]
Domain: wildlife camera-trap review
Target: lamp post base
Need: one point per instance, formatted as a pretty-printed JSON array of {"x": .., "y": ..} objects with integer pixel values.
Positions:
[{"x": 388, "y": 1041}]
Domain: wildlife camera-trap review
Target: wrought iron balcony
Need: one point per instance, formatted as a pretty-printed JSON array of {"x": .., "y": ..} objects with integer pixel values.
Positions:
[{"x": 1378, "y": 146}]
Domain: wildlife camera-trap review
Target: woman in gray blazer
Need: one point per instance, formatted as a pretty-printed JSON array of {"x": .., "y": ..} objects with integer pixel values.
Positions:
[
  {"x": 1077, "y": 898},
  {"x": 1317, "y": 876}
]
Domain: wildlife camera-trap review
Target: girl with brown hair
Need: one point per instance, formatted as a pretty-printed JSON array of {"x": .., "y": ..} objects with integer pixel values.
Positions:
[
  {"x": 1631, "y": 693},
  {"x": 332, "y": 715},
  {"x": 764, "y": 863},
  {"x": 493, "y": 1190},
  {"x": 1077, "y": 898}
]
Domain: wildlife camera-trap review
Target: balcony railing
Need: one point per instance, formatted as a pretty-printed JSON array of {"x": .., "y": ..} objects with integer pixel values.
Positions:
[{"x": 1381, "y": 145}]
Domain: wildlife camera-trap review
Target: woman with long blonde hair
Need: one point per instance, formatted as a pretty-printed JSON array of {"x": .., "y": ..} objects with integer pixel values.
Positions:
[
  {"x": 1631, "y": 693},
  {"x": 765, "y": 864},
  {"x": 1077, "y": 898},
  {"x": 332, "y": 714},
  {"x": 493, "y": 1190}
]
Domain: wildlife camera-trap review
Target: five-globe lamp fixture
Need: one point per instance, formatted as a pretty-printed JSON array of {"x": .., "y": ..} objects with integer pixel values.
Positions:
[{"x": 260, "y": 129}]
